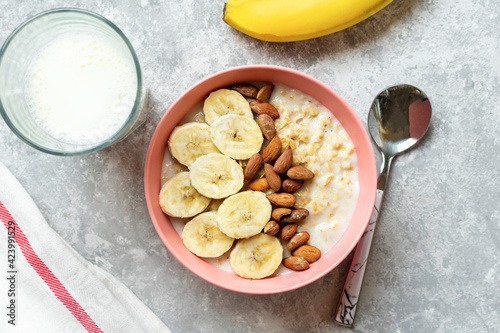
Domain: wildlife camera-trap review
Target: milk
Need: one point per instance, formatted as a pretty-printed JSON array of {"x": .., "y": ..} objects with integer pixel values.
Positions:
[{"x": 81, "y": 88}]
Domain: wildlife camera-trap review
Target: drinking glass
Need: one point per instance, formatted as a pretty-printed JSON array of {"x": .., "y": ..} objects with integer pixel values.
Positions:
[{"x": 16, "y": 56}]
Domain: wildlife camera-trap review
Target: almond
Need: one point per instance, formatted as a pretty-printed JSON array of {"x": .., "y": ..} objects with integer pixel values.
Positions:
[
  {"x": 272, "y": 177},
  {"x": 282, "y": 199},
  {"x": 273, "y": 150},
  {"x": 291, "y": 185},
  {"x": 260, "y": 184},
  {"x": 299, "y": 239},
  {"x": 253, "y": 166},
  {"x": 271, "y": 228},
  {"x": 246, "y": 90},
  {"x": 297, "y": 215},
  {"x": 288, "y": 231},
  {"x": 295, "y": 263},
  {"x": 278, "y": 213},
  {"x": 308, "y": 252},
  {"x": 299, "y": 172},
  {"x": 253, "y": 104},
  {"x": 267, "y": 127},
  {"x": 284, "y": 162},
  {"x": 265, "y": 93},
  {"x": 264, "y": 108}
]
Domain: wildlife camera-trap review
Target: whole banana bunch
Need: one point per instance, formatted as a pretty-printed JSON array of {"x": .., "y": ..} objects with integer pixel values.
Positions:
[{"x": 294, "y": 20}]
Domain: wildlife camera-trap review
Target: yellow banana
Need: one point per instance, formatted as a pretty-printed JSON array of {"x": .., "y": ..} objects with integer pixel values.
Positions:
[{"x": 294, "y": 20}]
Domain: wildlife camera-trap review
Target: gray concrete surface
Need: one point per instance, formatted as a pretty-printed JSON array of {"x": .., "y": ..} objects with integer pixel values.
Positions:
[{"x": 434, "y": 265}]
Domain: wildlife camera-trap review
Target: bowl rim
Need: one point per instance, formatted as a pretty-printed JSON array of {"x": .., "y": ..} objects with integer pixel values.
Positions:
[{"x": 278, "y": 283}]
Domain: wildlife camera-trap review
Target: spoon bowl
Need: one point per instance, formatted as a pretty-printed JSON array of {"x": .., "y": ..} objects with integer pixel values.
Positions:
[{"x": 399, "y": 117}]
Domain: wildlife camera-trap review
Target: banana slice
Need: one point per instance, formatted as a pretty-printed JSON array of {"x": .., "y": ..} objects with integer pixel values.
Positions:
[
  {"x": 256, "y": 257},
  {"x": 216, "y": 176},
  {"x": 225, "y": 101},
  {"x": 178, "y": 198},
  {"x": 190, "y": 141},
  {"x": 214, "y": 205},
  {"x": 237, "y": 136},
  {"x": 244, "y": 214},
  {"x": 202, "y": 236}
]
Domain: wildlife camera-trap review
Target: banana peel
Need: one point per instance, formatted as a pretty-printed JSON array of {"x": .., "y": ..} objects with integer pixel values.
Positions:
[{"x": 295, "y": 20}]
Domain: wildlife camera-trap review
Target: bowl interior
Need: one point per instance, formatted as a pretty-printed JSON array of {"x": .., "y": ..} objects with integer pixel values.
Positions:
[{"x": 293, "y": 79}]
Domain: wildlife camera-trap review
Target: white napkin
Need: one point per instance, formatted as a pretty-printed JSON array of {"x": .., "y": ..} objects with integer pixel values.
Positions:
[{"x": 48, "y": 286}]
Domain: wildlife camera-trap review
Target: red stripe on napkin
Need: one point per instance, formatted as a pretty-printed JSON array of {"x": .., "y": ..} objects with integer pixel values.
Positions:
[{"x": 46, "y": 274}]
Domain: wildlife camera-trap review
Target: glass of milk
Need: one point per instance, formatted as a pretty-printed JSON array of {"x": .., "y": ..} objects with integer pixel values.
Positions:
[{"x": 70, "y": 82}]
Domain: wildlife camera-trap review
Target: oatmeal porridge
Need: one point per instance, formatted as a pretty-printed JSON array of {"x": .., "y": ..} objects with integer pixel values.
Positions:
[{"x": 320, "y": 144}]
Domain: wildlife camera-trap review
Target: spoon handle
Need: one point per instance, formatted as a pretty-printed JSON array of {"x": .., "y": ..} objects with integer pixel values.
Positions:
[{"x": 346, "y": 310}]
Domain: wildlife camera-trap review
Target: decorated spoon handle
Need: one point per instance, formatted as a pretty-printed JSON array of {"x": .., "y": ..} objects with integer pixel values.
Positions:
[
  {"x": 348, "y": 302},
  {"x": 346, "y": 309}
]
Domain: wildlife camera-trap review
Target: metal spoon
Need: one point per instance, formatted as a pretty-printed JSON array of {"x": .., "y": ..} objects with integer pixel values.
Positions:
[{"x": 399, "y": 117}]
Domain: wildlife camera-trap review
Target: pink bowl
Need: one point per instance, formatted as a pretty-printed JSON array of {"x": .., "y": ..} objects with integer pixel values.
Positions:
[{"x": 292, "y": 79}]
